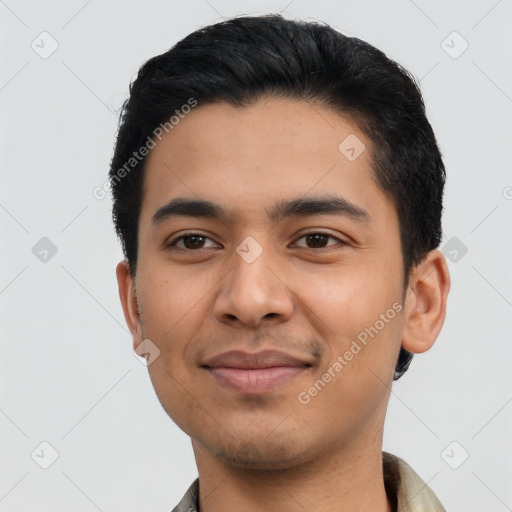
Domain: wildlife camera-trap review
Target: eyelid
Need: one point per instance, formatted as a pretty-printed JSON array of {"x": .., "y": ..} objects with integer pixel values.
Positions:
[
  {"x": 310, "y": 232},
  {"x": 321, "y": 232},
  {"x": 173, "y": 242}
]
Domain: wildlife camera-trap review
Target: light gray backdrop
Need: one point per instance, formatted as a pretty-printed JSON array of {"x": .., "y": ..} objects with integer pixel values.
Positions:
[{"x": 69, "y": 378}]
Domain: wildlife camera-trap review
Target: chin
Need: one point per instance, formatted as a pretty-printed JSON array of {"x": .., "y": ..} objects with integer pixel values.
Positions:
[{"x": 257, "y": 454}]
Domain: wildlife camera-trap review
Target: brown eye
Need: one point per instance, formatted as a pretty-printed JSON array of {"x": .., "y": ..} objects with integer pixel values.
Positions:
[
  {"x": 190, "y": 241},
  {"x": 193, "y": 242},
  {"x": 318, "y": 240}
]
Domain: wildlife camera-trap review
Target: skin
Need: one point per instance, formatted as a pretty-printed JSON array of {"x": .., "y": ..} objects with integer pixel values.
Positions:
[{"x": 269, "y": 451}]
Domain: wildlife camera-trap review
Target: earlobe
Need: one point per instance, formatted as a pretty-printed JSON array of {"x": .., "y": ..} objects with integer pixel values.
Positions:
[
  {"x": 425, "y": 303},
  {"x": 127, "y": 294}
]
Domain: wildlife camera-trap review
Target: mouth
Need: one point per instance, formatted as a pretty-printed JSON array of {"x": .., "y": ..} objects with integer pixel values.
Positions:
[{"x": 255, "y": 373}]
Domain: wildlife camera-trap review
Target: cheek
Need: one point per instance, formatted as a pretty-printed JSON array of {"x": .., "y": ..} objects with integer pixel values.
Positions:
[
  {"x": 351, "y": 297},
  {"x": 354, "y": 381},
  {"x": 169, "y": 300},
  {"x": 357, "y": 309},
  {"x": 173, "y": 313}
]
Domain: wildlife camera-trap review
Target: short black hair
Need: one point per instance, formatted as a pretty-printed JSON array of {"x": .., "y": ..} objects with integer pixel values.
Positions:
[{"x": 247, "y": 58}]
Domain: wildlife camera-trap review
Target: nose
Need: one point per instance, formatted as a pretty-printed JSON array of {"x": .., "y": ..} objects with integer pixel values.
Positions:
[{"x": 254, "y": 292}]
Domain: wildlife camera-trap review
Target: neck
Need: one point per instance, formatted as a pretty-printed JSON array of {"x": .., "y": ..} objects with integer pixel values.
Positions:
[{"x": 349, "y": 479}]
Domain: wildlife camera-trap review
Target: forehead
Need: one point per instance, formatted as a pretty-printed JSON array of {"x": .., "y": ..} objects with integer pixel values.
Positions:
[{"x": 251, "y": 157}]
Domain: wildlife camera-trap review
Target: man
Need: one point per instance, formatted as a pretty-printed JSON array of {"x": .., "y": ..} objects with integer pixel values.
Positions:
[{"x": 278, "y": 194}]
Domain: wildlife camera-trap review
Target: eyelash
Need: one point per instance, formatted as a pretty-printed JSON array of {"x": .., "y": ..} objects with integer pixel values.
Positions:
[{"x": 193, "y": 233}]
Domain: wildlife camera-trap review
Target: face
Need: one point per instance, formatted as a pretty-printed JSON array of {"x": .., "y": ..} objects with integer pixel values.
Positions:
[{"x": 277, "y": 308}]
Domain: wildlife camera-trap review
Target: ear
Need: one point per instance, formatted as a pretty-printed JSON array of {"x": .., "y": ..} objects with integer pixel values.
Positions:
[
  {"x": 425, "y": 302},
  {"x": 127, "y": 294}
]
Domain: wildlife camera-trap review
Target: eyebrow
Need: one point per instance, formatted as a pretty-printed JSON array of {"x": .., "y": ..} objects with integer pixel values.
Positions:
[{"x": 302, "y": 206}]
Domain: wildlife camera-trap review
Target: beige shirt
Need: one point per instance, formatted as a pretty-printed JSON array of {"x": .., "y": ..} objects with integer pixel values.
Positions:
[{"x": 405, "y": 489}]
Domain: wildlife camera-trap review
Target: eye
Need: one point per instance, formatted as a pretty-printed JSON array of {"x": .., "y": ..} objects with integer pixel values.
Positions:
[
  {"x": 318, "y": 239},
  {"x": 191, "y": 241},
  {"x": 194, "y": 241}
]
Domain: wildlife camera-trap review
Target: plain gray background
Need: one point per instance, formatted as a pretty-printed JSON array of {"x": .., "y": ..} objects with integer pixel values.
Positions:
[{"x": 69, "y": 377}]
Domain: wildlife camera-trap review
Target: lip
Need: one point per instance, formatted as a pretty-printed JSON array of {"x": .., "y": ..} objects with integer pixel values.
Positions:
[{"x": 253, "y": 373}]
